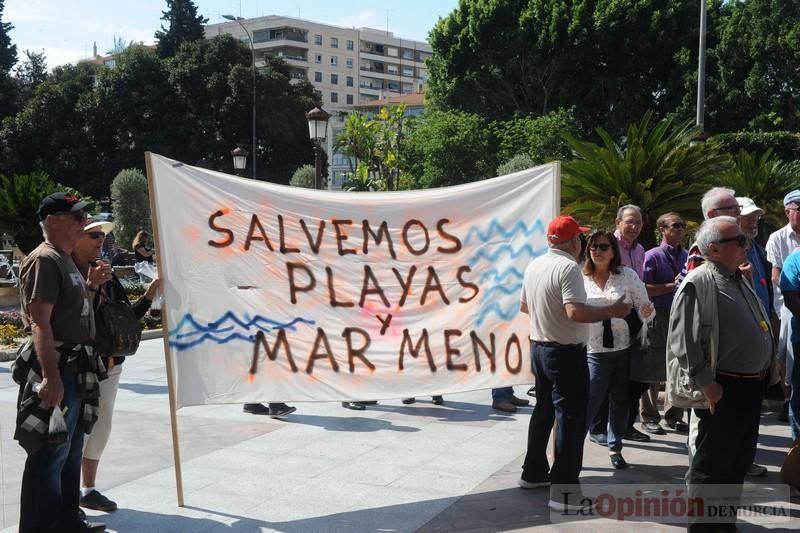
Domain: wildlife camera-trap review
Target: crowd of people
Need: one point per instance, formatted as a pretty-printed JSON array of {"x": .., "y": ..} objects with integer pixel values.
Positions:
[
  {"x": 611, "y": 323},
  {"x": 714, "y": 324}
]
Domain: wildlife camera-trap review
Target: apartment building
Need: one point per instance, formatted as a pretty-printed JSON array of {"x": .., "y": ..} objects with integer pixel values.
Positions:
[{"x": 349, "y": 66}]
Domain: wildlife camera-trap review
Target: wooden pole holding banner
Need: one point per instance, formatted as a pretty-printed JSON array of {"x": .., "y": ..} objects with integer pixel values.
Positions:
[
  {"x": 173, "y": 415},
  {"x": 556, "y": 212}
]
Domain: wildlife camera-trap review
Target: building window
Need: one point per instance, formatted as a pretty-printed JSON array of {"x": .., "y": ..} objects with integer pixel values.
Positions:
[
  {"x": 349, "y": 99},
  {"x": 317, "y": 58},
  {"x": 349, "y": 81},
  {"x": 334, "y": 98},
  {"x": 392, "y": 69},
  {"x": 318, "y": 40},
  {"x": 334, "y": 79},
  {"x": 334, "y": 61},
  {"x": 318, "y": 77},
  {"x": 260, "y": 36},
  {"x": 349, "y": 44},
  {"x": 391, "y": 51},
  {"x": 408, "y": 54},
  {"x": 334, "y": 42},
  {"x": 349, "y": 62}
]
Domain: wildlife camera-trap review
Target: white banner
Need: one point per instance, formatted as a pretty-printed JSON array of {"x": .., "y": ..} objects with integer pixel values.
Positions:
[{"x": 279, "y": 293}]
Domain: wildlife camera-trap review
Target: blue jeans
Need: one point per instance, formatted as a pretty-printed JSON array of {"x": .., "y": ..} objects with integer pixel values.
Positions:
[
  {"x": 562, "y": 390},
  {"x": 503, "y": 393},
  {"x": 608, "y": 379},
  {"x": 51, "y": 479},
  {"x": 794, "y": 399}
]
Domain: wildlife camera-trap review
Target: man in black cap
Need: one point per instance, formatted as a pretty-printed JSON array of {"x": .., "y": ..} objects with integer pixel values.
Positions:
[{"x": 56, "y": 369}]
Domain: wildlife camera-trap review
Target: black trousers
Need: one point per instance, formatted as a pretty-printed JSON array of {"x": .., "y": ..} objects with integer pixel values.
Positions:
[
  {"x": 562, "y": 390},
  {"x": 726, "y": 446}
]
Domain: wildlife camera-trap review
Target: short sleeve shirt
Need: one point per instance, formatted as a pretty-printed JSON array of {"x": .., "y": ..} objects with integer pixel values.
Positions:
[
  {"x": 790, "y": 282},
  {"x": 550, "y": 281},
  {"x": 781, "y": 244},
  {"x": 49, "y": 275}
]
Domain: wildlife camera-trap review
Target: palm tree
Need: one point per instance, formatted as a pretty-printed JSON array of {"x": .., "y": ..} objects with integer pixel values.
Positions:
[
  {"x": 765, "y": 179},
  {"x": 659, "y": 169},
  {"x": 19, "y": 200}
]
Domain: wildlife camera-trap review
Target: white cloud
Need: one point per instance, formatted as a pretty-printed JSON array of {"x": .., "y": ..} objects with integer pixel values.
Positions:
[{"x": 363, "y": 19}]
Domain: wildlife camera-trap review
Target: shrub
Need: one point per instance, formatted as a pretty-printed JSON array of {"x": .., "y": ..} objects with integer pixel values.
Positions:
[
  {"x": 515, "y": 164},
  {"x": 9, "y": 333},
  {"x": 785, "y": 144},
  {"x": 303, "y": 177},
  {"x": 130, "y": 205}
]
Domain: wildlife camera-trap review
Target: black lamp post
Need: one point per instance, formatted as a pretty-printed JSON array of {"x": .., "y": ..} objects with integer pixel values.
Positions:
[
  {"x": 239, "y": 20},
  {"x": 317, "y": 130},
  {"x": 239, "y": 159}
]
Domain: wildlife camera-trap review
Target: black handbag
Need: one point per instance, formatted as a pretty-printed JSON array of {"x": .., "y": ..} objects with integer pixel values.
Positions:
[
  {"x": 117, "y": 330},
  {"x": 647, "y": 362}
]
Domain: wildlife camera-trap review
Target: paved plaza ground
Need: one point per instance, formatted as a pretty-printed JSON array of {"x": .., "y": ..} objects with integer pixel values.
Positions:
[{"x": 392, "y": 468}]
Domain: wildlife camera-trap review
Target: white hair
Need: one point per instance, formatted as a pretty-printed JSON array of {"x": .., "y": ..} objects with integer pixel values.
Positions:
[
  {"x": 711, "y": 199},
  {"x": 709, "y": 232},
  {"x": 621, "y": 210}
]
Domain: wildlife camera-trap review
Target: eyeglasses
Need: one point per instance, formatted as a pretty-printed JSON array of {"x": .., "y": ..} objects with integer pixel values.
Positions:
[
  {"x": 735, "y": 208},
  {"x": 677, "y": 225},
  {"x": 603, "y": 247},
  {"x": 793, "y": 208},
  {"x": 96, "y": 234},
  {"x": 740, "y": 240}
]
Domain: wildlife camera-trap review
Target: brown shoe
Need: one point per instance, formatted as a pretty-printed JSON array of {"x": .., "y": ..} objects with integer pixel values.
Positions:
[
  {"x": 519, "y": 402},
  {"x": 504, "y": 405}
]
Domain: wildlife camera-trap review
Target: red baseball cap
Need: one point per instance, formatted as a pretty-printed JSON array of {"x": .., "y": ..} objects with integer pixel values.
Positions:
[{"x": 563, "y": 228}]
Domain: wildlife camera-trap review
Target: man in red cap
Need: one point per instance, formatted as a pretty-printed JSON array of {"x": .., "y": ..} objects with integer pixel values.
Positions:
[{"x": 553, "y": 296}]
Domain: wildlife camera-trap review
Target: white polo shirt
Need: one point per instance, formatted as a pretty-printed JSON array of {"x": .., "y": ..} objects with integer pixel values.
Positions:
[
  {"x": 552, "y": 280},
  {"x": 781, "y": 244}
]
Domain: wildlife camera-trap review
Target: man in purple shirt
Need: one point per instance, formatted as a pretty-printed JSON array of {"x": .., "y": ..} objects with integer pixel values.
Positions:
[{"x": 662, "y": 273}]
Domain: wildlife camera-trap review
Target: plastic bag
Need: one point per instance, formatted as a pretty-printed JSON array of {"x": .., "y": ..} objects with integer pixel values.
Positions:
[
  {"x": 147, "y": 273},
  {"x": 57, "y": 433}
]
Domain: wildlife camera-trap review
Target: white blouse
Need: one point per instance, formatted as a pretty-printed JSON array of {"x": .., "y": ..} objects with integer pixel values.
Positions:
[{"x": 626, "y": 284}]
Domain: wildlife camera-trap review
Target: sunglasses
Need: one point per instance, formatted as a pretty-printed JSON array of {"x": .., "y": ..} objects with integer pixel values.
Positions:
[
  {"x": 603, "y": 247},
  {"x": 677, "y": 225},
  {"x": 735, "y": 208},
  {"x": 740, "y": 240},
  {"x": 96, "y": 234}
]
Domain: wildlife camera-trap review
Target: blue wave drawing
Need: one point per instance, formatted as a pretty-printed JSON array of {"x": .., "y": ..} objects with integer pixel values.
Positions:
[
  {"x": 190, "y": 332},
  {"x": 506, "y": 314},
  {"x": 501, "y": 275},
  {"x": 526, "y": 250},
  {"x": 495, "y": 227},
  {"x": 514, "y": 290}
]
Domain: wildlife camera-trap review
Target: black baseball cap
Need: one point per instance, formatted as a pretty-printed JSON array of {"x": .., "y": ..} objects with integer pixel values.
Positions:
[{"x": 61, "y": 202}]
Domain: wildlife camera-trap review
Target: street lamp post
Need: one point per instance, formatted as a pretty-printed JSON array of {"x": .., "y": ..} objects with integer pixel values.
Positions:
[
  {"x": 317, "y": 130},
  {"x": 239, "y": 159},
  {"x": 701, "y": 71},
  {"x": 239, "y": 20}
]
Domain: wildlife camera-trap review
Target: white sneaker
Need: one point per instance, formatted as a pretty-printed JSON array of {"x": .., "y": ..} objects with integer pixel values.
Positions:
[
  {"x": 532, "y": 484},
  {"x": 575, "y": 504}
]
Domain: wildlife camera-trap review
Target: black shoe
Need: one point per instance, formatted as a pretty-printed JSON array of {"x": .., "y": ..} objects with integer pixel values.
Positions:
[
  {"x": 679, "y": 425},
  {"x": 81, "y": 526},
  {"x": 504, "y": 405},
  {"x": 81, "y": 514},
  {"x": 437, "y": 400},
  {"x": 600, "y": 439},
  {"x": 519, "y": 402},
  {"x": 654, "y": 428},
  {"x": 355, "y": 406},
  {"x": 783, "y": 416},
  {"x": 371, "y": 402},
  {"x": 255, "y": 408},
  {"x": 636, "y": 435},
  {"x": 408, "y": 401},
  {"x": 98, "y": 502},
  {"x": 280, "y": 410},
  {"x": 618, "y": 461}
]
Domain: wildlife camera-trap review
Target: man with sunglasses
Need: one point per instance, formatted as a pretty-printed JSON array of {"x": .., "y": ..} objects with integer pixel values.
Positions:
[
  {"x": 662, "y": 272},
  {"x": 719, "y": 356},
  {"x": 56, "y": 369}
]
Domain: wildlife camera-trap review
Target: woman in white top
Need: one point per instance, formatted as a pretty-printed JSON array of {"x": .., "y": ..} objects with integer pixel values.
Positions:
[{"x": 608, "y": 347}]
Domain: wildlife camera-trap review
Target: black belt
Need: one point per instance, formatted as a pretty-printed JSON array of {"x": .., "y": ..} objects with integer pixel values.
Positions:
[
  {"x": 759, "y": 375},
  {"x": 552, "y": 344}
]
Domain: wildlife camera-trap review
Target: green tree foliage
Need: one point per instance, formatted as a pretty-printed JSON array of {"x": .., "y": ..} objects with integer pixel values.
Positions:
[
  {"x": 656, "y": 169},
  {"x": 19, "y": 199},
  {"x": 612, "y": 59},
  {"x": 784, "y": 144},
  {"x": 447, "y": 148},
  {"x": 752, "y": 76},
  {"x": 184, "y": 25},
  {"x": 362, "y": 181},
  {"x": 303, "y": 177},
  {"x": 33, "y": 69},
  {"x": 765, "y": 179},
  {"x": 8, "y": 50},
  {"x": 131, "y": 206},
  {"x": 515, "y": 164},
  {"x": 541, "y": 138}
]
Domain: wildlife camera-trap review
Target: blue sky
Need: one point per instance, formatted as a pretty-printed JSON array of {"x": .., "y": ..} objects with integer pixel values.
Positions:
[{"x": 66, "y": 29}]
